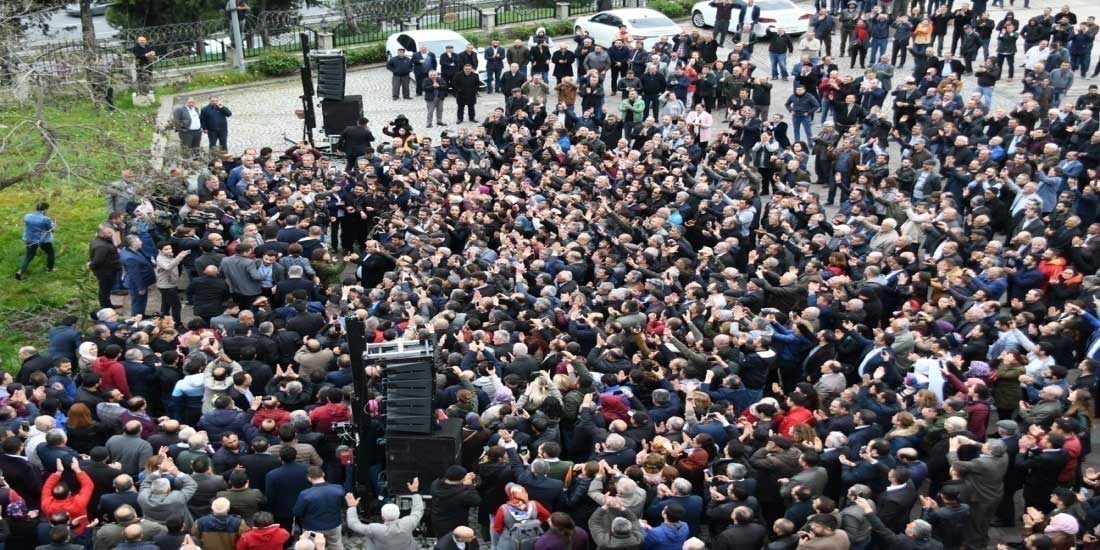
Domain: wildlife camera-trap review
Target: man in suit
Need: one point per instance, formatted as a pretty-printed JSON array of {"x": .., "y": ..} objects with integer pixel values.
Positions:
[
  {"x": 1009, "y": 436},
  {"x": 494, "y": 65},
  {"x": 214, "y": 120},
  {"x": 1040, "y": 465},
  {"x": 983, "y": 479},
  {"x": 355, "y": 140},
  {"x": 240, "y": 274},
  {"x": 18, "y": 471},
  {"x": 259, "y": 463},
  {"x": 896, "y": 502},
  {"x": 463, "y": 536},
  {"x": 188, "y": 126},
  {"x": 848, "y": 115},
  {"x": 139, "y": 274},
  {"x": 295, "y": 280},
  {"x": 540, "y": 486},
  {"x": 423, "y": 61},
  {"x": 283, "y": 485},
  {"x": 125, "y": 494},
  {"x": 749, "y": 17},
  {"x": 866, "y": 429}
]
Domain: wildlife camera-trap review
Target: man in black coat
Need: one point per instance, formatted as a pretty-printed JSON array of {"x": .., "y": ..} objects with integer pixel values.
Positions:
[
  {"x": 214, "y": 119},
  {"x": 208, "y": 293},
  {"x": 103, "y": 477},
  {"x": 258, "y": 463},
  {"x": 104, "y": 262},
  {"x": 452, "y": 497},
  {"x": 21, "y": 476},
  {"x": 465, "y": 85},
  {"x": 896, "y": 502},
  {"x": 354, "y": 141},
  {"x": 124, "y": 494},
  {"x": 1040, "y": 465}
]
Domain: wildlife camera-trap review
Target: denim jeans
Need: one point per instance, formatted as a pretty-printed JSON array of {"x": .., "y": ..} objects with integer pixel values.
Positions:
[
  {"x": 492, "y": 76},
  {"x": 987, "y": 95},
  {"x": 878, "y": 48},
  {"x": 826, "y": 106},
  {"x": 779, "y": 63},
  {"x": 803, "y": 122}
]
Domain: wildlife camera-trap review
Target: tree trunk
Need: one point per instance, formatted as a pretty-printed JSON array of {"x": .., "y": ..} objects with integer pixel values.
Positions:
[
  {"x": 349, "y": 17},
  {"x": 87, "y": 26}
]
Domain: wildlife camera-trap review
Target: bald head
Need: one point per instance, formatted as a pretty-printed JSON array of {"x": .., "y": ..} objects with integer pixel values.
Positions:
[{"x": 132, "y": 533}]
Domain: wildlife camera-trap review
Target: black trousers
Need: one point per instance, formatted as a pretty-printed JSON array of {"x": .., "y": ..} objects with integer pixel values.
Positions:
[
  {"x": 899, "y": 49},
  {"x": 469, "y": 108},
  {"x": 170, "y": 304},
  {"x": 105, "y": 282},
  {"x": 616, "y": 73}
]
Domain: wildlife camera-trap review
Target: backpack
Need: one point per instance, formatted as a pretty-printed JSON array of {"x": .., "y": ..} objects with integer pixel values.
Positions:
[{"x": 523, "y": 526}]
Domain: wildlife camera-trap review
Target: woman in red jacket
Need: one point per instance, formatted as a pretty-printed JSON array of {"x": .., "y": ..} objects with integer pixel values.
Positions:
[
  {"x": 264, "y": 535},
  {"x": 58, "y": 497},
  {"x": 691, "y": 462}
]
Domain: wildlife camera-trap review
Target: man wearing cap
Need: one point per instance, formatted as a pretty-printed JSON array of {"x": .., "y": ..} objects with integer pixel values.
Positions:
[
  {"x": 971, "y": 45},
  {"x": 449, "y": 64},
  {"x": 848, "y": 18},
  {"x": 928, "y": 181},
  {"x": 401, "y": 66},
  {"x": 1008, "y": 433}
]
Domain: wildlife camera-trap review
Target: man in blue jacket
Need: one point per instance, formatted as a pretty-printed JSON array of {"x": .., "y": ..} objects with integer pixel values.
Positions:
[
  {"x": 37, "y": 233},
  {"x": 139, "y": 274},
  {"x": 321, "y": 508},
  {"x": 670, "y": 534},
  {"x": 283, "y": 484},
  {"x": 214, "y": 119}
]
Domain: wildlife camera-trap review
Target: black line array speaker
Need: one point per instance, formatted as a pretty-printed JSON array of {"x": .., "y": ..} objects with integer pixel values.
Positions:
[
  {"x": 426, "y": 456},
  {"x": 409, "y": 386},
  {"x": 341, "y": 114},
  {"x": 331, "y": 76}
]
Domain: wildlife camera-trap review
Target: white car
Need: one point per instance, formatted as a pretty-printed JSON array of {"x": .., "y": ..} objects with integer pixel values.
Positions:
[
  {"x": 437, "y": 41},
  {"x": 642, "y": 24},
  {"x": 774, "y": 15}
]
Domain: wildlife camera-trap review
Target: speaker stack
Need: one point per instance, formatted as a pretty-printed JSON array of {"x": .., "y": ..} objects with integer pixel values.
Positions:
[
  {"x": 331, "y": 74},
  {"x": 416, "y": 444},
  {"x": 341, "y": 114}
]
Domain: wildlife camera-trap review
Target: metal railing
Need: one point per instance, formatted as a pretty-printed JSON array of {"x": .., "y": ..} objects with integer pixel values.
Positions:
[
  {"x": 453, "y": 16},
  {"x": 509, "y": 13}
]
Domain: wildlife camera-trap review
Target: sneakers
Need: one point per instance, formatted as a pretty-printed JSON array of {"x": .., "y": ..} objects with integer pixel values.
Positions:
[{"x": 19, "y": 275}]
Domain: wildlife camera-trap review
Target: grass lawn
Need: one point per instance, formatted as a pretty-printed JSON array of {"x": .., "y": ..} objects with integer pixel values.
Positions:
[{"x": 92, "y": 141}]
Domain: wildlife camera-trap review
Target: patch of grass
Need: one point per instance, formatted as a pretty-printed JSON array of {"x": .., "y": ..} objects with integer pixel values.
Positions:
[{"x": 98, "y": 145}]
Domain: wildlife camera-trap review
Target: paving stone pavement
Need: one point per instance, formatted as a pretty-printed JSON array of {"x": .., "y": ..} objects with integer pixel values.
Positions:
[{"x": 264, "y": 115}]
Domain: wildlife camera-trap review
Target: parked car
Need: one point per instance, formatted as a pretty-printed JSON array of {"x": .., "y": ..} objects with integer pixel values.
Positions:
[
  {"x": 774, "y": 15},
  {"x": 437, "y": 41},
  {"x": 99, "y": 7},
  {"x": 642, "y": 24}
]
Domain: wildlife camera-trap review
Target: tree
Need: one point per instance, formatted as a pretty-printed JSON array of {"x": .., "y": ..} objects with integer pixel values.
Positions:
[
  {"x": 128, "y": 14},
  {"x": 87, "y": 26}
]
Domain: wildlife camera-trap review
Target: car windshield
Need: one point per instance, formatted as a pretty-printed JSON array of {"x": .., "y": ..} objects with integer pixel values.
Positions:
[
  {"x": 440, "y": 46},
  {"x": 774, "y": 4},
  {"x": 651, "y": 23}
]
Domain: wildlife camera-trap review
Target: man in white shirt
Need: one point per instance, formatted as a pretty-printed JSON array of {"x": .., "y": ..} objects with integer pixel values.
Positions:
[{"x": 188, "y": 126}]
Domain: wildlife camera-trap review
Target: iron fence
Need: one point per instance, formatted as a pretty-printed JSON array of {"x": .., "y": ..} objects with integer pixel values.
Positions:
[
  {"x": 581, "y": 7},
  {"x": 453, "y": 16},
  {"x": 509, "y": 13}
]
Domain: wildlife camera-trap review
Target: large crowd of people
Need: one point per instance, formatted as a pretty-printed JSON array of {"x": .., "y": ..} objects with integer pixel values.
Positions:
[{"x": 655, "y": 325}]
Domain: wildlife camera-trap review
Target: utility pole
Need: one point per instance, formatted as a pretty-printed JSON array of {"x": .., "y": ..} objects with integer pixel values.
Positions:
[{"x": 238, "y": 44}]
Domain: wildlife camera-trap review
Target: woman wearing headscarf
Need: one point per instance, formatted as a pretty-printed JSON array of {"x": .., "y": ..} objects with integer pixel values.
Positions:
[
  {"x": 87, "y": 353},
  {"x": 518, "y": 508},
  {"x": 474, "y": 437}
]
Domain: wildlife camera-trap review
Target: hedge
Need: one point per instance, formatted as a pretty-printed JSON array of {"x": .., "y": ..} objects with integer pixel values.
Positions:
[{"x": 276, "y": 64}]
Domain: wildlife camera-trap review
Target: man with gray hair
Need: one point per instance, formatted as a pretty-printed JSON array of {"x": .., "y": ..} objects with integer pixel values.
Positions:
[
  {"x": 111, "y": 535},
  {"x": 983, "y": 484},
  {"x": 1046, "y": 410},
  {"x": 395, "y": 532},
  {"x": 159, "y": 501},
  {"x": 918, "y": 533},
  {"x": 219, "y": 529}
]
